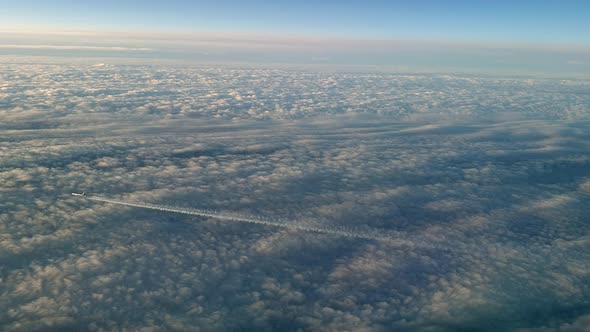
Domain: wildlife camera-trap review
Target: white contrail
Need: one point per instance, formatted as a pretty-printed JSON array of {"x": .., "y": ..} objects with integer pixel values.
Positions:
[{"x": 351, "y": 233}]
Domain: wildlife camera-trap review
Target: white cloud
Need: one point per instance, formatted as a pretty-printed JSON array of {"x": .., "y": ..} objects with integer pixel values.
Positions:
[{"x": 493, "y": 213}]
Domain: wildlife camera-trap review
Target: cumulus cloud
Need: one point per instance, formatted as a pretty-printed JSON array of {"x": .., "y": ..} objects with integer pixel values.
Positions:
[
  {"x": 500, "y": 205},
  {"x": 34, "y": 95}
]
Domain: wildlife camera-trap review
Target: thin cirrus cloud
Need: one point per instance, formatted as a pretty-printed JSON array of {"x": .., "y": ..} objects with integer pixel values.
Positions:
[
  {"x": 273, "y": 41},
  {"x": 74, "y": 48}
]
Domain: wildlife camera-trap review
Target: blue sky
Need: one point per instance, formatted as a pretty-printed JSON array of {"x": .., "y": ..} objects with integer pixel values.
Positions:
[
  {"x": 547, "y": 21},
  {"x": 424, "y": 35}
]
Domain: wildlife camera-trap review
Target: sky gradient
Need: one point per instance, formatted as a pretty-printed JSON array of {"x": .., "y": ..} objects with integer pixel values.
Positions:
[
  {"x": 492, "y": 21},
  {"x": 426, "y": 35}
]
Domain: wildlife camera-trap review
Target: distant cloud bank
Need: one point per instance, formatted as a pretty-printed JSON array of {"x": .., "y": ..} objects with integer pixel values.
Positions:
[{"x": 428, "y": 56}]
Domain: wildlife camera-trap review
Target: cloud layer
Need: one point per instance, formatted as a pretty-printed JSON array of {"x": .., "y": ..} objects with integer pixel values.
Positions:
[{"x": 501, "y": 204}]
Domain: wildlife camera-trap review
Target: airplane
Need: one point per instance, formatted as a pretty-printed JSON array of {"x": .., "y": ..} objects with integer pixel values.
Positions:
[{"x": 78, "y": 194}]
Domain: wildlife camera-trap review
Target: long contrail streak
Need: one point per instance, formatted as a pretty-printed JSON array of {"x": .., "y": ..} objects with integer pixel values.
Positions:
[{"x": 304, "y": 226}]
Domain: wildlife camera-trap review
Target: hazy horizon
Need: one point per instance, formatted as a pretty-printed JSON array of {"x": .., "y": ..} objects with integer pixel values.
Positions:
[{"x": 503, "y": 37}]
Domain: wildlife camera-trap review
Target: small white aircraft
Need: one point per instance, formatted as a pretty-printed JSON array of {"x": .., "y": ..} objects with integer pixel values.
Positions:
[{"x": 79, "y": 194}]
